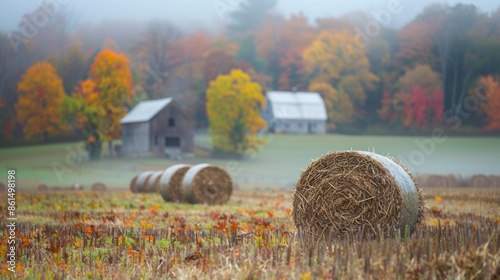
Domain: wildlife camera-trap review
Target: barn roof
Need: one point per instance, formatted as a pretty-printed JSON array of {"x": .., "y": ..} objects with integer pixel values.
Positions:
[
  {"x": 145, "y": 110},
  {"x": 297, "y": 105}
]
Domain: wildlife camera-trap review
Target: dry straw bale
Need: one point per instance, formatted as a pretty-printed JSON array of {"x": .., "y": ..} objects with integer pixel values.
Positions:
[
  {"x": 495, "y": 180},
  {"x": 205, "y": 183},
  {"x": 153, "y": 182},
  {"x": 42, "y": 188},
  {"x": 142, "y": 181},
  {"x": 133, "y": 184},
  {"x": 351, "y": 191},
  {"x": 98, "y": 187},
  {"x": 452, "y": 180},
  {"x": 2, "y": 187},
  {"x": 171, "y": 182},
  {"x": 422, "y": 179},
  {"x": 480, "y": 181},
  {"x": 436, "y": 180}
]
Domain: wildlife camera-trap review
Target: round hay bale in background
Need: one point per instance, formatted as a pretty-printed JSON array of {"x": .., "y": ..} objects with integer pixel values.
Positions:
[
  {"x": 153, "y": 181},
  {"x": 480, "y": 181},
  {"x": 495, "y": 180},
  {"x": 142, "y": 181},
  {"x": 42, "y": 188},
  {"x": 205, "y": 183},
  {"x": 452, "y": 181},
  {"x": 422, "y": 179},
  {"x": 437, "y": 181},
  {"x": 98, "y": 187},
  {"x": 350, "y": 191},
  {"x": 133, "y": 184},
  {"x": 171, "y": 182},
  {"x": 2, "y": 187}
]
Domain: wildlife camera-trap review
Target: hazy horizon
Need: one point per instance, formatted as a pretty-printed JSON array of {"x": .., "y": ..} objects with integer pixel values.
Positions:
[{"x": 203, "y": 13}]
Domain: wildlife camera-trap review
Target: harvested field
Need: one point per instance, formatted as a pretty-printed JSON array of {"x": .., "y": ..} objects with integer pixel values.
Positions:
[{"x": 121, "y": 235}]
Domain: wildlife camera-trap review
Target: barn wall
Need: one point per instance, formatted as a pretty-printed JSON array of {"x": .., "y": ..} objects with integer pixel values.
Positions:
[
  {"x": 135, "y": 139},
  {"x": 298, "y": 126},
  {"x": 160, "y": 128}
]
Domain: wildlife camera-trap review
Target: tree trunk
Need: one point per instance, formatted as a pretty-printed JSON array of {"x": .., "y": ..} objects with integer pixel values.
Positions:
[
  {"x": 45, "y": 137},
  {"x": 110, "y": 148}
]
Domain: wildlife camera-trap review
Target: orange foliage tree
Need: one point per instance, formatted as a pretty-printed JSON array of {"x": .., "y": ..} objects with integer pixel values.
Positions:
[
  {"x": 491, "y": 105},
  {"x": 100, "y": 100},
  {"x": 39, "y": 105}
]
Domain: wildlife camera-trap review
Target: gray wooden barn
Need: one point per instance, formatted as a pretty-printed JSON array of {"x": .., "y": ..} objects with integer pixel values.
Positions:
[
  {"x": 295, "y": 112},
  {"x": 157, "y": 128}
]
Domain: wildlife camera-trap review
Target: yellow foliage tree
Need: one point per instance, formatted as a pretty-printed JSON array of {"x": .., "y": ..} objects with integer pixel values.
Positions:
[
  {"x": 39, "y": 105},
  {"x": 233, "y": 109},
  {"x": 99, "y": 101},
  {"x": 340, "y": 72}
]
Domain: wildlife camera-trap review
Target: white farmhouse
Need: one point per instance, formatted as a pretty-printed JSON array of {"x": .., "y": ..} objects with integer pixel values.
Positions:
[{"x": 295, "y": 112}]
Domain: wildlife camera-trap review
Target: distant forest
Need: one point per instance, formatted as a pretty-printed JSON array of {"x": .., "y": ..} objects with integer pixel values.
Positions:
[{"x": 440, "y": 70}]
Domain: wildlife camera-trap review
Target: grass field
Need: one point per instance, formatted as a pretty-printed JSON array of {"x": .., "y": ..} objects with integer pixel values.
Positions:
[
  {"x": 278, "y": 164},
  {"x": 120, "y": 235}
]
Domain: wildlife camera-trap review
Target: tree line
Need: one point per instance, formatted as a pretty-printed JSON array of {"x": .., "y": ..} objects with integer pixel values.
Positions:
[{"x": 441, "y": 66}]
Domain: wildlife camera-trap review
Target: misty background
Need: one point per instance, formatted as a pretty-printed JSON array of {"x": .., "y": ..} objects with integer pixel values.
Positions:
[{"x": 202, "y": 13}]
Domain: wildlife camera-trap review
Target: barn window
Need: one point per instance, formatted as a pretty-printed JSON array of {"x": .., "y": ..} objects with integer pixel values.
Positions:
[
  {"x": 156, "y": 140},
  {"x": 171, "y": 122}
]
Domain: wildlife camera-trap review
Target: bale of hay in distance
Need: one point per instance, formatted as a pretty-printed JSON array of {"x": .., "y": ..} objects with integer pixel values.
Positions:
[
  {"x": 142, "y": 180},
  {"x": 352, "y": 191},
  {"x": 495, "y": 180},
  {"x": 153, "y": 182},
  {"x": 98, "y": 187},
  {"x": 480, "y": 181},
  {"x": 2, "y": 187},
  {"x": 133, "y": 184},
  {"x": 205, "y": 183},
  {"x": 452, "y": 180},
  {"x": 437, "y": 181},
  {"x": 42, "y": 188},
  {"x": 422, "y": 179},
  {"x": 171, "y": 182}
]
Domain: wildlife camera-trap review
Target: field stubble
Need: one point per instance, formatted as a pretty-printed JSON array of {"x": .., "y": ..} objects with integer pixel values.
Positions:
[{"x": 81, "y": 235}]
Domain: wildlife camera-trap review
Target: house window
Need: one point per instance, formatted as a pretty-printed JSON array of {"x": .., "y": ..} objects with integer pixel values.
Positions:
[
  {"x": 171, "y": 122},
  {"x": 156, "y": 140}
]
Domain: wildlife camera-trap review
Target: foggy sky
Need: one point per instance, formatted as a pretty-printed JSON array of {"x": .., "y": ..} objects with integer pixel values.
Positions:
[{"x": 203, "y": 12}]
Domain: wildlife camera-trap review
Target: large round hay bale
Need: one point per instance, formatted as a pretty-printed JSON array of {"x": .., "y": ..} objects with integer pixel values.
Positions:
[
  {"x": 171, "y": 182},
  {"x": 205, "y": 183},
  {"x": 133, "y": 184},
  {"x": 42, "y": 188},
  {"x": 153, "y": 182},
  {"x": 142, "y": 181},
  {"x": 352, "y": 191},
  {"x": 437, "y": 181},
  {"x": 98, "y": 187},
  {"x": 480, "y": 181},
  {"x": 3, "y": 187}
]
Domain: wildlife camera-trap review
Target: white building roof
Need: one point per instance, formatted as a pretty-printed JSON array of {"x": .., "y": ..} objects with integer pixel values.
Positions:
[
  {"x": 297, "y": 105},
  {"x": 145, "y": 110}
]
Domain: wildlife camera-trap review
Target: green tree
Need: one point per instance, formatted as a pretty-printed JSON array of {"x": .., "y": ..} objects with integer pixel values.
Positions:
[{"x": 233, "y": 108}]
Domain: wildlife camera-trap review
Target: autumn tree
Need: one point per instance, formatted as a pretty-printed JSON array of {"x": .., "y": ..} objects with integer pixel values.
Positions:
[
  {"x": 491, "y": 105},
  {"x": 99, "y": 101},
  {"x": 419, "y": 102},
  {"x": 340, "y": 73},
  {"x": 39, "y": 104},
  {"x": 233, "y": 107}
]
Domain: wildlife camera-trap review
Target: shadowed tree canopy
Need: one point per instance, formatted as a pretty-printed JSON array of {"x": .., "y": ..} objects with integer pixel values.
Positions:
[{"x": 249, "y": 15}]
